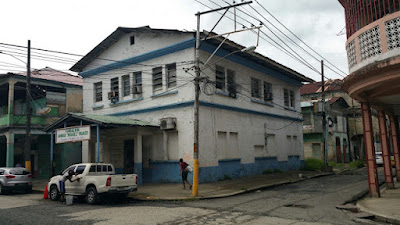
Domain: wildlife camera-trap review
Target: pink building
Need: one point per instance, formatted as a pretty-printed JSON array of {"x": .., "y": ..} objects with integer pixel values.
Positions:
[{"x": 373, "y": 50}]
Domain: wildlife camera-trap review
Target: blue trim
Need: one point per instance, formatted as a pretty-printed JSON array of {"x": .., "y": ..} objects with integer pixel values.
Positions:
[
  {"x": 220, "y": 106},
  {"x": 248, "y": 63},
  {"x": 202, "y": 103},
  {"x": 190, "y": 43},
  {"x": 228, "y": 160},
  {"x": 164, "y": 93},
  {"x": 290, "y": 109},
  {"x": 138, "y": 167},
  {"x": 126, "y": 101},
  {"x": 153, "y": 109},
  {"x": 166, "y": 162},
  {"x": 266, "y": 158},
  {"x": 168, "y": 171},
  {"x": 262, "y": 103},
  {"x": 97, "y": 106}
]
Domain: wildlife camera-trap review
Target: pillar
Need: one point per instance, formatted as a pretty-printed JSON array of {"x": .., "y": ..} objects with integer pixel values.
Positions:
[
  {"x": 385, "y": 150},
  {"x": 165, "y": 144},
  {"x": 139, "y": 157},
  {"x": 10, "y": 149},
  {"x": 395, "y": 142},
  {"x": 85, "y": 152},
  {"x": 97, "y": 143},
  {"x": 373, "y": 184},
  {"x": 10, "y": 101}
]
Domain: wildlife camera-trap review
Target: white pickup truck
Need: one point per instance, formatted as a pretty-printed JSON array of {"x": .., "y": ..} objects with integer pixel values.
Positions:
[{"x": 95, "y": 179}]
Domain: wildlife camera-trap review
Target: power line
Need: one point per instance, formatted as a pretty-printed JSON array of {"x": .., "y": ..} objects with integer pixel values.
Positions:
[{"x": 298, "y": 37}]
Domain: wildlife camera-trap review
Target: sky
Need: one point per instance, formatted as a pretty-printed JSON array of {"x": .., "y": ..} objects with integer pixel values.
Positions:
[{"x": 78, "y": 26}]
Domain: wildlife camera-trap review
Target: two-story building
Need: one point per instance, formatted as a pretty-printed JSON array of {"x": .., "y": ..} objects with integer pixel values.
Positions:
[
  {"x": 345, "y": 141},
  {"x": 250, "y": 115},
  {"x": 53, "y": 94},
  {"x": 373, "y": 51}
]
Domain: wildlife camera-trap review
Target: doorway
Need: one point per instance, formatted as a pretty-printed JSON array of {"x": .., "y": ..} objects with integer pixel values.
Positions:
[
  {"x": 129, "y": 162},
  {"x": 338, "y": 151}
]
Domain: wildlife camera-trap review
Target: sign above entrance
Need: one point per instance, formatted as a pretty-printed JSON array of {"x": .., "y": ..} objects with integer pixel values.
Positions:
[{"x": 72, "y": 134}]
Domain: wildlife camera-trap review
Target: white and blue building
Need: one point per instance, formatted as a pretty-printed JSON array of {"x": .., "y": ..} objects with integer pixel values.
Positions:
[{"x": 250, "y": 112}]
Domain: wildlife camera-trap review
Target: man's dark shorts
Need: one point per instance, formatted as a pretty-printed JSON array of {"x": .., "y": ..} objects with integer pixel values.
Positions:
[{"x": 184, "y": 175}]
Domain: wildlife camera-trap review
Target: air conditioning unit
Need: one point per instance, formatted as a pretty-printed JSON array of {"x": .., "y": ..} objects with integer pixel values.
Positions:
[
  {"x": 268, "y": 97},
  {"x": 136, "y": 89},
  {"x": 168, "y": 123}
]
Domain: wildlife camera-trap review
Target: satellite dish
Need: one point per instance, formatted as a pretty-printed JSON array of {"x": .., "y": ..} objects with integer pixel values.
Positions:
[{"x": 43, "y": 111}]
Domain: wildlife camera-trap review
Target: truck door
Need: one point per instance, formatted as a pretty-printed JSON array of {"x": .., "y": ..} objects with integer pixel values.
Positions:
[{"x": 77, "y": 186}]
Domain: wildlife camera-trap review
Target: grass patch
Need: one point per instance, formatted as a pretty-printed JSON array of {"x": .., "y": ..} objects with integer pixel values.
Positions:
[
  {"x": 313, "y": 164},
  {"x": 357, "y": 164},
  {"x": 336, "y": 165}
]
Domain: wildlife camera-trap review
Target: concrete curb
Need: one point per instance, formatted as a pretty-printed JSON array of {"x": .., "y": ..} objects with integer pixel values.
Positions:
[
  {"x": 254, "y": 189},
  {"x": 381, "y": 217}
]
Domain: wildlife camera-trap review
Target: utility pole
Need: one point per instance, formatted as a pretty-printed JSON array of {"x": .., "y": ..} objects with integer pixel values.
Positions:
[
  {"x": 27, "y": 154},
  {"x": 195, "y": 189},
  {"x": 325, "y": 127}
]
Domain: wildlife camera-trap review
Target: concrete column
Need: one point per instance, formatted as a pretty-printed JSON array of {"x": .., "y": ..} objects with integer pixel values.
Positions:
[
  {"x": 85, "y": 152},
  {"x": 10, "y": 149},
  {"x": 373, "y": 184},
  {"x": 165, "y": 144},
  {"x": 10, "y": 101},
  {"x": 139, "y": 157},
  {"x": 395, "y": 142},
  {"x": 385, "y": 150}
]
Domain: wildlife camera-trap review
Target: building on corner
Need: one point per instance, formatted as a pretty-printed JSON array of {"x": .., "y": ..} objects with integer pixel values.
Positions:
[{"x": 250, "y": 116}]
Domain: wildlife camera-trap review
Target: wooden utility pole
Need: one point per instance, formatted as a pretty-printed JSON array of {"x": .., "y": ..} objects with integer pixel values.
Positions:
[
  {"x": 324, "y": 125},
  {"x": 27, "y": 152},
  {"x": 197, "y": 79}
]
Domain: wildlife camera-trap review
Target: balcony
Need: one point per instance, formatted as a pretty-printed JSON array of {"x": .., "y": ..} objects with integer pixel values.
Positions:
[
  {"x": 378, "y": 41},
  {"x": 374, "y": 63}
]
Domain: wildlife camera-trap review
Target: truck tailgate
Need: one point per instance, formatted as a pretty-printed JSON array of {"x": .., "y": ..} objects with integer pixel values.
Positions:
[{"x": 123, "y": 180}]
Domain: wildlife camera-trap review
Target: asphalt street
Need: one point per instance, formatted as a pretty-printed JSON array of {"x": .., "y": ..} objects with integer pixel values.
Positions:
[{"x": 308, "y": 202}]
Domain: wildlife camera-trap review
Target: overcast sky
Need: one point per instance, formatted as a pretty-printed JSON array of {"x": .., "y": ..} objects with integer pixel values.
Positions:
[{"x": 78, "y": 26}]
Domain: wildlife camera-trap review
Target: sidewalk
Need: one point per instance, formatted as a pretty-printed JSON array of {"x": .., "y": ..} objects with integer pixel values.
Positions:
[
  {"x": 386, "y": 207},
  {"x": 219, "y": 189}
]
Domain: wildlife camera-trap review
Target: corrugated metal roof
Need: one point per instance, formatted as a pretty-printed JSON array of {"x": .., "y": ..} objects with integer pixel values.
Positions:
[
  {"x": 56, "y": 75},
  {"x": 113, "y": 120},
  {"x": 104, "y": 121}
]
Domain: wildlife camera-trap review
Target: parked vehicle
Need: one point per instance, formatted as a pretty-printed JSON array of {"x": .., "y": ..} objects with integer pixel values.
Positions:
[
  {"x": 96, "y": 179},
  {"x": 379, "y": 158},
  {"x": 15, "y": 179}
]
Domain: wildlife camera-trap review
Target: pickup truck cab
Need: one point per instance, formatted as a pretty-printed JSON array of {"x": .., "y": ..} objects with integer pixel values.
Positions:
[{"x": 92, "y": 180}]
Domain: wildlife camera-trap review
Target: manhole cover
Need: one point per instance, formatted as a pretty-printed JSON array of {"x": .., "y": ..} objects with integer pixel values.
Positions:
[{"x": 298, "y": 206}]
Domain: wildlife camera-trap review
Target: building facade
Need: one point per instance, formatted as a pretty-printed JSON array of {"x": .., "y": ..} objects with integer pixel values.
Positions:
[
  {"x": 53, "y": 94},
  {"x": 345, "y": 123},
  {"x": 249, "y": 121},
  {"x": 373, "y": 50}
]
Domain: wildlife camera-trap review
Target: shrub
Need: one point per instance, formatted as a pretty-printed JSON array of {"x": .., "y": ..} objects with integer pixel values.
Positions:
[
  {"x": 313, "y": 164},
  {"x": 357, "y": 164}
]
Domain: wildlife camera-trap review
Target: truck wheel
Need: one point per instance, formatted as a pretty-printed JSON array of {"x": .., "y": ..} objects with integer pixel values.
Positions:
[
  {"x": 54, "y": 194},
  {"x": 91, "y": 196}
]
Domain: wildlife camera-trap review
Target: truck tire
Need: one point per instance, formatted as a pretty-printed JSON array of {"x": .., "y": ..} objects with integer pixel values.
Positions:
[
  {"x": 54, "y": 193},
  {"x": 92, "y": 196}
]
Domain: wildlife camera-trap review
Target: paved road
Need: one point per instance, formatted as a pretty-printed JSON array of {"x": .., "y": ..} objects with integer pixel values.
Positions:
[{"x": 308, "y": 202}]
